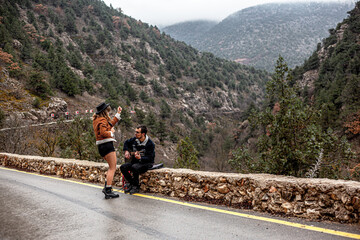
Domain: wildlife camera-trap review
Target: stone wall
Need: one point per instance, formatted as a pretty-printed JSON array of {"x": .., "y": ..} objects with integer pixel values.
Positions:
[{"x": 323, "y": 199}]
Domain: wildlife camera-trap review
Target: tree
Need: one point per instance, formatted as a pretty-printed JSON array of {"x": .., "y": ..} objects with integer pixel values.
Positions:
[
  {"x": 141, "y": 80},
  {"x": 16, "y": 140},
  {"x": 187, "y": 155},
  {"x": 292, "y": 138},
  {"x": 353, "y": 125},
  {"x": 37, "y": 85},
  {"x": 45, "y": 141},
  {"x": 125, "y": 118},
  {"x": 156, "y": 87},
  {"x": 151, "y": 122},
  {"x": 220, "y": 148},
  {"x": 90, "y": 45},
  {"x": 162, "y": 132},
  {"x": 165, "y": 110},
  {"x": 77, "y": 140},
  {"x": 7, "y": 58},
  {"x": 144, "y": 97},
  {"x": 131, "y": 93},
  {"x": 141, "y": 67},
  {"x": 140, "y": 115}
]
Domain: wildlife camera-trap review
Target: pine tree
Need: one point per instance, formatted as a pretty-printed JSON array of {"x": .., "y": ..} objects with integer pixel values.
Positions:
[
  {"x": 162, "y": 132},
  {"x": 187, "y": 155},
  {"x": 165, "y": 110}
]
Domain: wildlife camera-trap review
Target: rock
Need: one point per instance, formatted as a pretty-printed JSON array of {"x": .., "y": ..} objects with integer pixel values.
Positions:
[
  {"x": 345, "y": 198},
  {"x": 272, "y": 189},
  {"x": 298, "y": 209},
  {"x": 265, "y": 197},
  {"x": 223, "y": 189},
  {"x": 324, "y": 200},
  {"x": 334, "y": 196},
  {"x": 310, "y": 203},
  {"x": 287, "y": 195},
  {"x": 17, "y": 44},
  {"x": 193, "y": 178},
  {"x": 356, "y": 202},
  {"x": 206, "y": 188},
  {"x": 162, "y": 183},
  {"x": 177, "y": 185},
  {"x": 177, "y": 179},
  {"x": 56, "y": 105},
  {"x": 200, "y": 194},
  {"x": 91, "y": 177},
  {"x": 312, "y": 213},
  {"x": 287, "y": 206},
  {"x": 222, "y": 180},
  {"x": 342, "y": 214}
]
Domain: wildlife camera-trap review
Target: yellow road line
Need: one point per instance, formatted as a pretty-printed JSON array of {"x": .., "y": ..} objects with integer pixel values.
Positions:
[
  {"x": 282, "y": 222},
  {"x": 57, "y": 178}
]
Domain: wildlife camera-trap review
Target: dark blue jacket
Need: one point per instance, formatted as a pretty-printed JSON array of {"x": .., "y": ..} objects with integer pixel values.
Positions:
[{"x": 147, "y": 151}]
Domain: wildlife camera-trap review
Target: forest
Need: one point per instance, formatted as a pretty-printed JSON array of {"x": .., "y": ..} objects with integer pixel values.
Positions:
[{"x": 204, "y": 112}]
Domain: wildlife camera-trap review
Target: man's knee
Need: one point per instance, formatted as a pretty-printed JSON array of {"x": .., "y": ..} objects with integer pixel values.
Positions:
[
  {"x": 125, "y": 167},
  {"x": 140, "y": 168}
]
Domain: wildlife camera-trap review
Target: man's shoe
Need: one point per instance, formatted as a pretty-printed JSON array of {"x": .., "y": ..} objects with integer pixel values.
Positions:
[
  {"x": 134, "y": 189},
  {"x": 127, "y": 187}
]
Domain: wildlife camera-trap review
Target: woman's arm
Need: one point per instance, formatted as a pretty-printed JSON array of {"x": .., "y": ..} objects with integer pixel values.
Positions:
[{"x": 117, "y": 116}]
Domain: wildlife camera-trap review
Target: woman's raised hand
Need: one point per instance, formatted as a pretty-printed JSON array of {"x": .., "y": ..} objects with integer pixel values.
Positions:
[{"x": 119, "y": 109}]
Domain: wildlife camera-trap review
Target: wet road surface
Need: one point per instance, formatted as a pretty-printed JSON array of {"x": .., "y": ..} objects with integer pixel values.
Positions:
[{"x": 46, "y": 207}]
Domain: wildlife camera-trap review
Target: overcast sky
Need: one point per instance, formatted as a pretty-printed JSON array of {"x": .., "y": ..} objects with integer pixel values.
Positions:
[{"x": 167, "y": 12}]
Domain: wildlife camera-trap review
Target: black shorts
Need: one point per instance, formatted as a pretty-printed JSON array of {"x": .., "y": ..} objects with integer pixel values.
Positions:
[{"x": 106, "y": 148}]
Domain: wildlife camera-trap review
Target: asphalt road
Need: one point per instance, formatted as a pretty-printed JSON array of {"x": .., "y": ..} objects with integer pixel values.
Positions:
[{"x": 46, "y": 207}]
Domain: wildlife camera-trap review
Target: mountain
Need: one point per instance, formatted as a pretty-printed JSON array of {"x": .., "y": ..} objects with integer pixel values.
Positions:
[
  {"x": 257, "y": 35},
  {"x": 60, "y": 56},
  {"x": 189, "y": 31}
]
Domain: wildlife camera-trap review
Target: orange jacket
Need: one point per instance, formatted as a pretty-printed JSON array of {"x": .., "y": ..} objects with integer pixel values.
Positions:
[{"x": 102, "y": 129}]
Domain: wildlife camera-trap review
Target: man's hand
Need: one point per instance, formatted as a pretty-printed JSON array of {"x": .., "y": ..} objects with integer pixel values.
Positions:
[
  {"x": 127, "y": 154},
  {"x": 137, "y": 155},
  {"x": 119, "y": 109},
  {"x": 112, "y": 130}
]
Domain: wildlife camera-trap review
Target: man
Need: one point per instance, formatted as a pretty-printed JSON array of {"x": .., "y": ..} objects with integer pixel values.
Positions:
[{"x": 139, "y": 154}]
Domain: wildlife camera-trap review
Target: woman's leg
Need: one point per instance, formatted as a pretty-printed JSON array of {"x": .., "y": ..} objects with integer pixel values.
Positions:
[{"x": 111, "y": 160}]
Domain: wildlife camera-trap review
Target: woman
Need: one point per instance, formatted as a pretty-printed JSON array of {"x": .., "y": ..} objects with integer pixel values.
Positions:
[{"x": 104, "y": 132}]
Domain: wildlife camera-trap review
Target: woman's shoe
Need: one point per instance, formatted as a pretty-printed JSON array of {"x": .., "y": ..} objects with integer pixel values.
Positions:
[{"x": 109, "y": 193}]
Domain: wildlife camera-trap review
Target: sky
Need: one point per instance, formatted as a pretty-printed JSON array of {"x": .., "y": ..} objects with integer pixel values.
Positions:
[{"x": 166, "y": 12}]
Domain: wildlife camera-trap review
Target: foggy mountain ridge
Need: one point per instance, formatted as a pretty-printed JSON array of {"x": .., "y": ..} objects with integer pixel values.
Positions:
[{"x": 256, "y": 35}]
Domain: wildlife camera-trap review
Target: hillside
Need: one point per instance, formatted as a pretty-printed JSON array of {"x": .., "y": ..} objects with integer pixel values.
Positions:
[
  {"x": 309, "y": 124},
  {"x": 61, "y": 56},
  {"x": 190, "y": 32},
  {"x": 257, "y": 35},
  {"x": 330, "y": 78}
]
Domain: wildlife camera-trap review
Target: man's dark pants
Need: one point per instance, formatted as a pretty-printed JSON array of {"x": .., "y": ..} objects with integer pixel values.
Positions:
[{"x": 136, "y": 169}]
